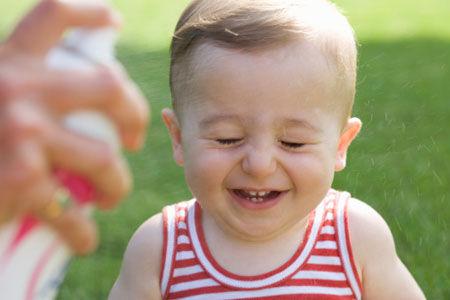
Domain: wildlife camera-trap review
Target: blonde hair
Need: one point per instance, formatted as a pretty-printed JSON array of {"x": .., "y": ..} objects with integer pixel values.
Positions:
[{"x": 256, "y": 25}]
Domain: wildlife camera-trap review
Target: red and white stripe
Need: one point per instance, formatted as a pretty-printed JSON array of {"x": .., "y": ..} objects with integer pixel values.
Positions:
[{"x": 321, "y": 268}]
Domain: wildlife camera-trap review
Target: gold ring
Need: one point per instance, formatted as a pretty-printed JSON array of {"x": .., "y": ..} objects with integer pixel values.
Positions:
[{"x": 55, "y": 208}]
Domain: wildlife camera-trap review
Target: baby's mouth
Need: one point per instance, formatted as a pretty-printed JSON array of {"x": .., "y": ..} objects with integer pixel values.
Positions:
[{"x": 256, "y": 196}]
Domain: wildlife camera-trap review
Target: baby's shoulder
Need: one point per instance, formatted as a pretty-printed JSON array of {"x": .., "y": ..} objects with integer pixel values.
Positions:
[
  {"x": 370, "y": 236},
  {"x": 139, "y": 275},
  {"x": 384, "y": 276},
  {"x": 146, "y": 242}
]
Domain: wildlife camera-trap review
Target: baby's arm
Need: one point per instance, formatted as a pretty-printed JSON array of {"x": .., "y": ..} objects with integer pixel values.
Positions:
[
  {"x": 384, "y": 276},
  {"x": 139, "y": 276}
]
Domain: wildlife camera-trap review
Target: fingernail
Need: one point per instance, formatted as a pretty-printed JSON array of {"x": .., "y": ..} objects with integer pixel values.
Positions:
[
  {"x": 136, "y": 142},
  {"x": 130, "y": 141}
]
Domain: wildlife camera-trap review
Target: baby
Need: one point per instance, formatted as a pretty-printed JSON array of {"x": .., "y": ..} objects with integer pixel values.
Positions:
[{"x": 262, "y": 98}]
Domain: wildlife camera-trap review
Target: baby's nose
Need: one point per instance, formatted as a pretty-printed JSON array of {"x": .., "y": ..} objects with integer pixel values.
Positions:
[{"x": 259, "y": 162}]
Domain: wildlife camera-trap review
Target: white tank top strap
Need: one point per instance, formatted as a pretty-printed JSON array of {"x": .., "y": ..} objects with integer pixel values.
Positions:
[
  {"x": 344, "y": 243},
  {"x": 169, "y": 231},
  {"x": 174, "y": 219}
]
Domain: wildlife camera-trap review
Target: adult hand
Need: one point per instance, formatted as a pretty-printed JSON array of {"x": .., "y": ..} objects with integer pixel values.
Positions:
[{"x": 34, "y": 98}]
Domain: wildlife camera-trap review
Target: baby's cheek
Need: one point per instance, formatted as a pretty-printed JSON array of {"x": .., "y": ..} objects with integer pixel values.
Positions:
[
  {"x": 203, "y": 162},
  {"x": 206, "y": 171},
  {"x": 312, "y": 171}
]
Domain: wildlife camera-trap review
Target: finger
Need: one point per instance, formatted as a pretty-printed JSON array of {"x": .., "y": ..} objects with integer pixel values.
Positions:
[
  {"x": 23, "y": 169},
  {"x": 33, "y": 187},
  {"x": 75, "y": 228},
  {"x": 105, "y": 89},
  {"x": 67, "y": 91},
  {"x": 50, "y": 18},
  {"x": 21, "y": 157},
  {"x": 133, "y": 117},
  {"x": 99, "y": 163},
  {"x": 34, "y": 194},
  {"x": 95, "y": 160}
]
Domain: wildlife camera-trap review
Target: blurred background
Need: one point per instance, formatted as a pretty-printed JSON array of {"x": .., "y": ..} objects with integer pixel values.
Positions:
[{"x": 400, "y": 164}]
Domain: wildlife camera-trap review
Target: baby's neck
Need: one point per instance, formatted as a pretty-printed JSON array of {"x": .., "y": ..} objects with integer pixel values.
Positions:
[{"x": 250, "y": 257}]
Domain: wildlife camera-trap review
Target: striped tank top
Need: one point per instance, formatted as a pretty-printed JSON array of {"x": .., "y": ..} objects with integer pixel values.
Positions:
[{"x": 321, "y": 268}]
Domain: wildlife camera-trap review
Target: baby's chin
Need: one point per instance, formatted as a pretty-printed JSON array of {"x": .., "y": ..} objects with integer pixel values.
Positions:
[{"x": 260, "y": 230}]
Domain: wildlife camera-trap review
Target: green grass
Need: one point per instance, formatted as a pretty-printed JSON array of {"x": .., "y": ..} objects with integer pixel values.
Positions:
[{"x": 399, "y": 165}]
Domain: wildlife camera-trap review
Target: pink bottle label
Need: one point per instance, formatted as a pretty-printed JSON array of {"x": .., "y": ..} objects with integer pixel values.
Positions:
[{"x": 80, "y": 189}]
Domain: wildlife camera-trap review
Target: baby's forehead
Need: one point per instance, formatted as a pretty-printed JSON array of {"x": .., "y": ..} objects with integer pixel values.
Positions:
[
  {"x": 299, "y": 70},
  {"x": 290, "y": 64}
]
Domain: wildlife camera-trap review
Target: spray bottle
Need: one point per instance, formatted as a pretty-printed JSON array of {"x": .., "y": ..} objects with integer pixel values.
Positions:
[{"x": 33, "y": 258}]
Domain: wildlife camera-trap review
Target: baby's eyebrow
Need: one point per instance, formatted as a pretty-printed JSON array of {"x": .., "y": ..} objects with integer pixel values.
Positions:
[
  {"x": 218, "y": 118},
  {"x": 284, "y": 123},
  {"x": 293, "y": 122}
]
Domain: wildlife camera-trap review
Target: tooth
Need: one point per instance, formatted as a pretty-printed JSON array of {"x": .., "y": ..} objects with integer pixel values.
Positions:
[
  {"x": 260, "y": 199},
  {"x": 262, "y": 194},
  {"x": 253, "y": 193}
]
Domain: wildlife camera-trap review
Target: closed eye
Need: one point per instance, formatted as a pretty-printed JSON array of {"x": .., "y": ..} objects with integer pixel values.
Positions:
[
  {"x": 292, "y": 145},
  {"x": 228, "y": 141}
]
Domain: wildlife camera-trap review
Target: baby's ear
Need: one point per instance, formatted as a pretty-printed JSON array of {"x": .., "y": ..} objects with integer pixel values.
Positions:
[
  {"x": 350, "y": 132},
  {"x": 172, "y": 124}
]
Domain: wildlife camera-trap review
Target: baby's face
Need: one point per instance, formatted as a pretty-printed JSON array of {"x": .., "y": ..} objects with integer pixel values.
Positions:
[{"x": 260, "y": 137}]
